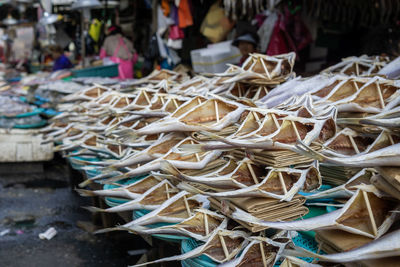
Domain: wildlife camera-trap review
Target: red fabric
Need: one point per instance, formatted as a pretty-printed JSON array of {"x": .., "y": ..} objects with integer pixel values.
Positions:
[
  {"x": 289, "y": 34},
  {"x": 277, "y": 44},
  {"x": 175, "y": 33},
  {"x": 184, "y": 14}
]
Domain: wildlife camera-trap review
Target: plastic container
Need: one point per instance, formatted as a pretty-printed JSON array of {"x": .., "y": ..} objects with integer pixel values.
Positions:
[
  {"x": 214, "y": 58},
  {"x": 101, "y": 71},
  {"x": 18, "y": 145},
  {"x": 202, "y": 260}
]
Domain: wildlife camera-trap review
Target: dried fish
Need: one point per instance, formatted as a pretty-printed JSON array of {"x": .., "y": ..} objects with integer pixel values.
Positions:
[{"x": 364, "y": 214}]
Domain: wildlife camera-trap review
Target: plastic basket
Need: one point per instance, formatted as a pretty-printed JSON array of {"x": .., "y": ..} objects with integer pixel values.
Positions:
[
  {"x": 16, "y": 121},
  {"x": 169, "y": 238},
  {"x": 203, "y": 260},
  {"x": 111, "y": 201},
  {"x": 101, "y": 71}
]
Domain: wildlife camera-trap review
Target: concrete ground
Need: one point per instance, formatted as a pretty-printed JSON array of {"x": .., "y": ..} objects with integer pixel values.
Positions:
[{"x": 30, "y": 203}]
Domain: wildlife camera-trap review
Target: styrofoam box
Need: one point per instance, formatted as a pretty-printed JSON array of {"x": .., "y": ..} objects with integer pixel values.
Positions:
[
  {"x": 18, "y": 145},
  {"x": 215, "y": 57}
]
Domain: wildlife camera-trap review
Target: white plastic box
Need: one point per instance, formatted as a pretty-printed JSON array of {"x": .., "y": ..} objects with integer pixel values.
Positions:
[
  {"x": 215, "y": 57},
  {"x": 18, "y": 145}
]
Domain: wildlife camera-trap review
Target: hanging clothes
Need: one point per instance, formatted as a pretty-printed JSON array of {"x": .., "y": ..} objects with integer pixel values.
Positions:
[{"x": 184, "y": 14}]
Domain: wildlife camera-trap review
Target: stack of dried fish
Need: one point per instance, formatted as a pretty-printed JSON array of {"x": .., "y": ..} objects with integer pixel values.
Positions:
[{"x": 253, "y": 146}]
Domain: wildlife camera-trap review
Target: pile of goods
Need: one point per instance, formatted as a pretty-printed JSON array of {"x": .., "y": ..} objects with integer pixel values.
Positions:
[{"x": 252, "y": 166}]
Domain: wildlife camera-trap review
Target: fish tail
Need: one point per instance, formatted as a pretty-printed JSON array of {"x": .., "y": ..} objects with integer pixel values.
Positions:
[
  {"x": 210, "y": 135},
  {"x": 107, "y": 230},
  {"x": 127, "y": 135},
  {"x": 94, "y": 209},
  {"x": 89, "y": 181},
  {"x": 191, "y": 148},
  {"x": 85, "y": 193},
  {"x": 305, "y": 150},
  {"x": 169, "y": 168},
  {"x": 116, "y": 178}
]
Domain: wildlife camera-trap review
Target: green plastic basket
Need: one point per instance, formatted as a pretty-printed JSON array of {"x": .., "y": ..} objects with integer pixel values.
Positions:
[
  {"x": 202, "y": 260},
  {"x": 101, "y": 71}
]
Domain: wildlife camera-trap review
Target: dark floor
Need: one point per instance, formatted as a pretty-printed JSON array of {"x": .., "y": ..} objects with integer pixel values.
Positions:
[{"x": 32, "y": 202}]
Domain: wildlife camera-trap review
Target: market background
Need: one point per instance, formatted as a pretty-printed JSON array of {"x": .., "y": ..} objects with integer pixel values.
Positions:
[{"x": 175, "y": 43}]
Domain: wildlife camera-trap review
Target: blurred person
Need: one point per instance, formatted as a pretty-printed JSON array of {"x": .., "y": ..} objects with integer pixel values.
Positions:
[
  {"x": 119, "y": 49},
  {"x": 61, "y": 61},
  {"x": 247, "y": 44}
]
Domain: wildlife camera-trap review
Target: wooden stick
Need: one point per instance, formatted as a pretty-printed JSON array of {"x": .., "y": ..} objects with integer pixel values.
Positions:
[
  {"x": 199, "y": 101},
  {"x": 175, "y": 104},
  {"x": 187, "y": 206},
  {"x": 357, "y": 69},
  {"x": 378, "y": 88},
  {"x": 266, "y": 69},
  {"x": 256, "y": 117},
  {"x": 206, "y": 224},
  {"x": 98, "y": 92},
  {"x": 275, "y": 120},
  {"x": 162, "y": 100},
  {"x": 390, "y": 138},
  {"x": 216, "y": 110},
  {"x": 282, "y": 182},
  {"x": 167, "y": 190},
  {"x": 356, "y": 85},
  {"x": 295, "y": 129},
  {"x": 222, "y": 240},
  {"x": 371, "y": 215},
  {"x": 119, "y": 149},
  {"x": 127, "y": 101},
  {"x": 146, "y": 96},
  {"x": 252, "y": 173},
  {"x": 353, "y": 143},
  {"x": 266, "y": 91},
  {"x": 196, "y": 154},
  {"x": 263, "y": 255}
]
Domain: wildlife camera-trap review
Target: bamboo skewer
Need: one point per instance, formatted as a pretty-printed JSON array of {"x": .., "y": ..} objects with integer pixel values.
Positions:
[
  {"x": 253, "y": 175},
  {"x": 263, "y": 255},
  {"x": 266, "y": 69},
  {"x": 275, "y": 120},
  {"x": 167, "y": 190},
  {"x": 391, "y": 139},
  {"x": 353, "y": 143},
  {"x": 378, "y": 88},
  {"x": 196, "y": 154},
  {"x": 216, "y": 110},
  {"x": 187, "y": 206},
  {"x": 147, "y": 97},
  {"x": 282, "y": 182},
  {"x": 222, "y": 240},
  {"x": 356, "y": 85},
  {"x": 295, "y": 129},
  {"x": 206, "y": 224},
  {"x": 371, "y": 215},
  {"x": 175, "y": 104}
]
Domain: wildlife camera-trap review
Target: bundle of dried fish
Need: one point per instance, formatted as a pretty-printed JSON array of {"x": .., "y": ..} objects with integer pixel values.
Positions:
[
  {"x": 201, "y": 226},
  {"x": 221, "y": 247},
  {"x": 364, "y": 214},
  {"x": 263, "y": 69},
  {"x": 383, "y": 247},
  {"x": 360, "y": 66},
  {"x": 244, "y": 181}
]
